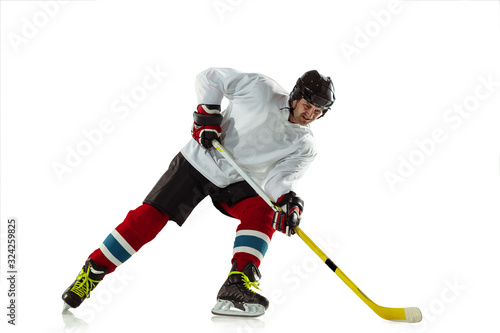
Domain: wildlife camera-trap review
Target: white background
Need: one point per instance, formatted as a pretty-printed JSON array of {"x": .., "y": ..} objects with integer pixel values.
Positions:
[{"x": 399, "y": 69}]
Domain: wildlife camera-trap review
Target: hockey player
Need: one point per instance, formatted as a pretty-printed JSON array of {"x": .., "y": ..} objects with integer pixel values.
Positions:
[{"x": 267, "y": 132}]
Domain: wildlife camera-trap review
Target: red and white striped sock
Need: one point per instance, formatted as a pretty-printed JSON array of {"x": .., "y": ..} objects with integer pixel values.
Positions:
[
  {"x": 254, "y": 233},
  {"x": 139, "y": 227}
]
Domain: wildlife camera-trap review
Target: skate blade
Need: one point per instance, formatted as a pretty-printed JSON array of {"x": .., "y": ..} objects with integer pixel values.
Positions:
[
  {"x": 66, "y": 307},
  {"x": 227, "y": 308}
]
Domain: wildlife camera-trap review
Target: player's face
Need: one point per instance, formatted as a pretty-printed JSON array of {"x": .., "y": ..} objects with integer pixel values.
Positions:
[{"x": 304, "y": 112}]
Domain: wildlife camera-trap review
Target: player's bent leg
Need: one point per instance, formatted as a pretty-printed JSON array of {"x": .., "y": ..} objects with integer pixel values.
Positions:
[
  {"x": 139, "y": 227},
  {"x": 254, "y": 233},
  {"x": 253, "y": 236}
]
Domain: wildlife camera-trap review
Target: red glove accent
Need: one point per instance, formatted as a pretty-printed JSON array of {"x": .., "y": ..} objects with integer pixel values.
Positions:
[
  {"x": 206, "y": 125},
  {"x": 290, "y": 214}
]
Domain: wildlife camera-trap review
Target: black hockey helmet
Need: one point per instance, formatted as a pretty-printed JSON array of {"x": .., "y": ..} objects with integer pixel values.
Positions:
[{"x": 315, "y": 89}]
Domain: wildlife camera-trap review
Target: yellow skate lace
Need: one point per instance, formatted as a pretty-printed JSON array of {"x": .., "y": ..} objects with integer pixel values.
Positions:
[
  {"x": 246, "y": 282},
  {"x": 85, "y": 284}
]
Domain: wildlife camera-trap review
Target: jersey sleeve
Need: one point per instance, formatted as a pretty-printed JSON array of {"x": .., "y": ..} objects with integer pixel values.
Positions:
[
  {"x": 213, "y": 84},
  {"x": 284, "y": 176}
]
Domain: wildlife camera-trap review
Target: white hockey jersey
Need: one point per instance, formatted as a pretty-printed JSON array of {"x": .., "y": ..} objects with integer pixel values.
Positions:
[{"x": 255, "y": 130}]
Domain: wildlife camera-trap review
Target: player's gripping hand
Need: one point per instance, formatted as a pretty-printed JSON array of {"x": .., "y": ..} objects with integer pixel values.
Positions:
[
  {"x": 290, "y": 214},
  {"x": 206, "y": 125}
]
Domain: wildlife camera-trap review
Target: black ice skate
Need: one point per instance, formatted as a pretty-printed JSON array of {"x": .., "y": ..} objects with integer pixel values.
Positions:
[
  {"x": 236, "y": 298},
  {"x": 89, "y": 277}
]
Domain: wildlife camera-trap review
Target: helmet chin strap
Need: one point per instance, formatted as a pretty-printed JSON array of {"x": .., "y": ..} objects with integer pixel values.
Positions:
[{"x": 290, "y": 108}]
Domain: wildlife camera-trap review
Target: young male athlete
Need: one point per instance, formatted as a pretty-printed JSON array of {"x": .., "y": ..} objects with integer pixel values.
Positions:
[{"x": 267, "y": 132}]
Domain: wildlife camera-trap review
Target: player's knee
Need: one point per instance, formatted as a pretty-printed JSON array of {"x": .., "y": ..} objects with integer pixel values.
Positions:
[
  {"x": 258, "y": 203},
  {"x": 147, "y": 216}
]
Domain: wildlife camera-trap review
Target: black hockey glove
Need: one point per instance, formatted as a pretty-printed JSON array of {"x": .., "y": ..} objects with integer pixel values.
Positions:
[
  {"x": 290, "y": 214},
  {"x": 206, "y": 125}
]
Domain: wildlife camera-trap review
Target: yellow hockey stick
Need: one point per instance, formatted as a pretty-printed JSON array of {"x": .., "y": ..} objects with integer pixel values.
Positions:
[{"x": 409, "y": 315}]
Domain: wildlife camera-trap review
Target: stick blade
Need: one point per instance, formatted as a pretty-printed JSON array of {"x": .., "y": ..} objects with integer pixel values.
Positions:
[
  {"x": 413, "y": 315},
  {"x": 405, "y": 315}
]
